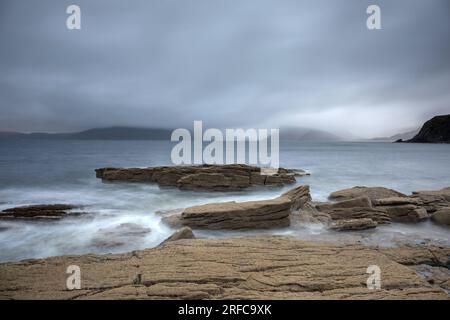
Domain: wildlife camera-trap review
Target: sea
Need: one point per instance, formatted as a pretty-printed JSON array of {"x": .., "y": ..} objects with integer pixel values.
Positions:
[{"x": 121, "y": 217}]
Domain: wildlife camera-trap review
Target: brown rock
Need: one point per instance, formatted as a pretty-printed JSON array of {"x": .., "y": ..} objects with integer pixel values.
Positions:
[
  {"x": 360, "y": 202},
  {"x": 405, "y": 213},
  {"x": 237, "y": 268},
  {"x": 183, "y": 233},
  {"x": 442, "y": 216},
  {"x": 377, "y": 215},
  {"x": 372, "y": 192},
  {"x": 266, "y": 214},
  {"x": 299, "y": 196},
  {"x": 433, "y": 200},
  {"x": 203, "y": 177},
  {"x": 353, "y": 224},
  {"x": 45, "y": 211}
]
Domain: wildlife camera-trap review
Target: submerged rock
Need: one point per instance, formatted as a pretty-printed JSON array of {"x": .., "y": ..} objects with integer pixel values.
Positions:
[
  {"x": 353, "y": 224},
  {"x": 373, "y": 193},
  {"x": 183, "y": 233},
  {"x": 119, "y": 235},
  {"x": 202, "y": 177},
  {"x": 44, "y": 211}
]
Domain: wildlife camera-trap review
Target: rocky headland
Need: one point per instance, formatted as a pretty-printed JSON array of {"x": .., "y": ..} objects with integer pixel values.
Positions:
[{"x": 435, "y": 130}]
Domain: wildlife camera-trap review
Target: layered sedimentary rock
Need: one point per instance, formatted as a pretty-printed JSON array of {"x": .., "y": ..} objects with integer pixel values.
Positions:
[
  {"x": 355, "y": 208},
  {"x": 203, "y": 177},
  {"x": 402, "y": 209},
  {"x": 377, "y": 215},
  {"x": 266, "y": 214},
  {"x": 44, "y": 211},
  {"x": 237, "y": 268},
  {"x": 298, "y": 196},
  {"x": 433, "y": 200},
  {"x": 372, "y": 193}
]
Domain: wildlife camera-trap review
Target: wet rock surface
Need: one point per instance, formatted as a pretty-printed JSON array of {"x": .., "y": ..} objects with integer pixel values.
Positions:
[
  {"x": 202, "y": 177},
  {"x": 235, "y": 268},
  {"x": 44, "y": 211},
  {"x": 183, "y": 233},
  {"x": 353, "y": 224},
  {"x": 119, "y": 235}
]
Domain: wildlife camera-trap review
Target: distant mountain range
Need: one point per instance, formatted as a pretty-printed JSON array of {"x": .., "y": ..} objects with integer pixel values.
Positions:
[
  {"x": 133, "y": 133},
  {"x": 403, "y": 136},
  {"x": 111, "y": 133}
]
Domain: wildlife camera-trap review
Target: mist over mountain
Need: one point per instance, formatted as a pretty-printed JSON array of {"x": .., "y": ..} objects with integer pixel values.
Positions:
[
  {"x": 403, "y": 136},
  {"x": 133, "y": 133}
]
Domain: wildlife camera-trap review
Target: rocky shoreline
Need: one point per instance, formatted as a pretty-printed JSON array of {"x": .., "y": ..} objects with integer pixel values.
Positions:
[
  {"x": 236, "y": 268},
  {"x": 261, "y": 267}
]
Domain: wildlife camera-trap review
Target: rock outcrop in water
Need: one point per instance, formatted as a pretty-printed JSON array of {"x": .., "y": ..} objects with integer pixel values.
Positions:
[
  {"x": 203, "y": 177},
  {"x": 263, "y": 214},
  {"x": 236, "y": 268},
  {"x": 44, "y": 211},
  {"x": 372, "y": 193},
  {"x": 436, "y": 130}
]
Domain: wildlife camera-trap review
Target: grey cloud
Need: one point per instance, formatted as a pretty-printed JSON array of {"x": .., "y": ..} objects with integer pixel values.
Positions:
[{"x": 228, "y": 63}]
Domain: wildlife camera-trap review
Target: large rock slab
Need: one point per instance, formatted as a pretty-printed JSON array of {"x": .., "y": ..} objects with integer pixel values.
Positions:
[
  {"x": 237, "y": 268},
  {"x": 373, "y": 193},
  {"x": 202, "y": 177},
  {"x": 265, "y": 214},
  {"x": 44, "y": 211}
]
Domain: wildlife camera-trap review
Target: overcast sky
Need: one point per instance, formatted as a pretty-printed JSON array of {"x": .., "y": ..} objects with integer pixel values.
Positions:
[{"x": 246, "y": 63}]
